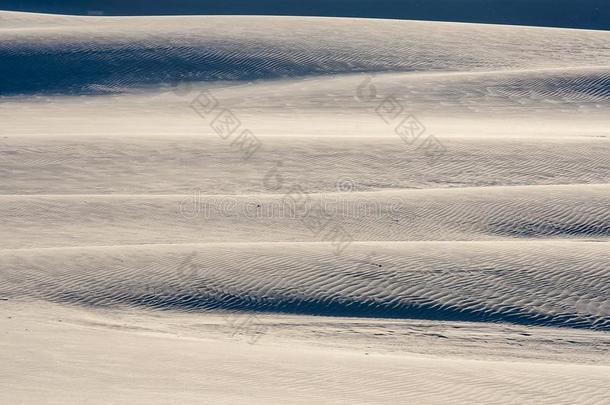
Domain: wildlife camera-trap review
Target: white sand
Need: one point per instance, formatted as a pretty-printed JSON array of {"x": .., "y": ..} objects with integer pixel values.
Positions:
[{"x": 143, "y": 259}]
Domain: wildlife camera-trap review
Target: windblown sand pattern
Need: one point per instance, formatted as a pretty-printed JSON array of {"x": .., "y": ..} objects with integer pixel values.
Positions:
[{"x": 128, "y": 217}]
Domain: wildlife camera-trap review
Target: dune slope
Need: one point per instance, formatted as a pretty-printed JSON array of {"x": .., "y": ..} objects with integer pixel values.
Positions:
[{"x": 421, "y": 213}]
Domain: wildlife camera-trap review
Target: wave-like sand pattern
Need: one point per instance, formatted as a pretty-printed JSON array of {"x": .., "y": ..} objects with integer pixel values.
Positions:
[
  {"x": 139, "y": 243},
  {"x": 171, "y": 181},
  {"x": 85, "y": 54},
  {"x": 569, "y": 211},
  {"x": 178, "y": 166},
  {"x": 542, "y": 283}
]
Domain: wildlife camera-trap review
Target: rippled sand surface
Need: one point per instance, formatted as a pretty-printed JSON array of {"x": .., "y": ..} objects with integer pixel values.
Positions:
[{"x": 302, "y": 210}]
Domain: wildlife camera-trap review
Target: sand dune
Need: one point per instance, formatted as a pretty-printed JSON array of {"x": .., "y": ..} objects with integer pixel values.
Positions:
[
  {"x": 144, "y": 363},
  {"x": 88, "y": 54},
  {"x": 548, "y": 283},
  {"x": 501, "y": 213},
  {"x": 178, "y": 166},
  {"x": 142, "y": 247}
]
